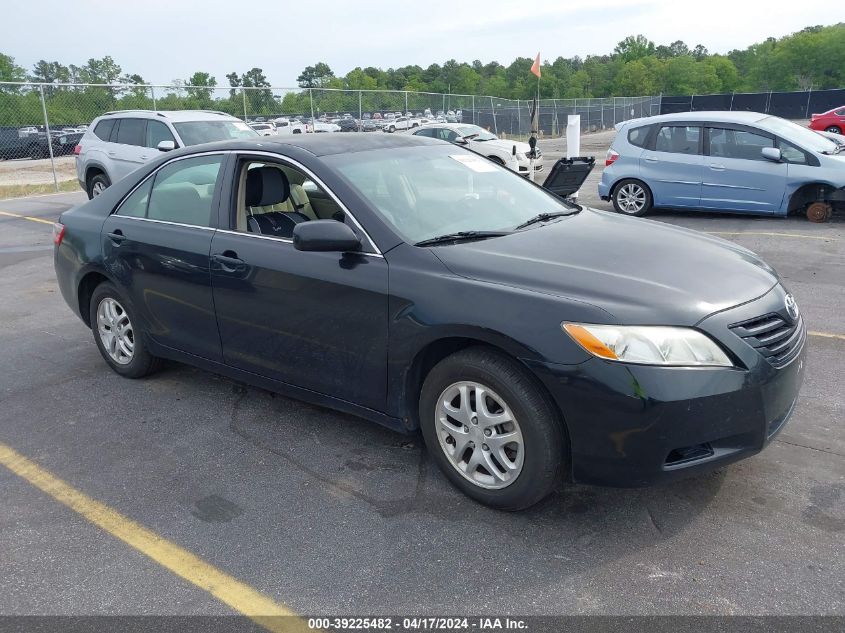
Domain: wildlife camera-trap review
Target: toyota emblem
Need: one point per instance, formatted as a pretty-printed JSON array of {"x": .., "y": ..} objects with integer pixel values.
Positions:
[{"x": 791, "y": 307}]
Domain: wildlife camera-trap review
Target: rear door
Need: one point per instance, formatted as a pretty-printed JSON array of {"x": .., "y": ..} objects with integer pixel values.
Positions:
[
  {"x": 156, "y": 245},
  {"x": 672, "y": 165},
  {"x": 736, "y": 176},
  {"x": 127, "y": 149}
]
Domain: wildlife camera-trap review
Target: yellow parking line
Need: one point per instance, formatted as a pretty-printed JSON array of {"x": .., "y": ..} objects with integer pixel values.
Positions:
[
  {"x": 231, "y": 591},
  {"x": 841, "y": 337},
  {"x": 773, "y": 234},
  {"x": 25, "y": 217}
]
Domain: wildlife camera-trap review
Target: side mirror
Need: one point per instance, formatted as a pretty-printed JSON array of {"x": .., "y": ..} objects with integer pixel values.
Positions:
[
  {"x": 325, "y": 236},
  {"x": 513, "y": 151},
  {"x": 772, "y": 154},
  {"x": 166, "y": 146},
  {"x": 461, "y": 141}
]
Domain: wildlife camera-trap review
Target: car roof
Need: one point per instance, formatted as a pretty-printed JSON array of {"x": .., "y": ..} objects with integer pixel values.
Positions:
[
  {"x": 716, "y": 116},
  {"x": 324, "y": 144},
  {"x": 174, "y": 115}
]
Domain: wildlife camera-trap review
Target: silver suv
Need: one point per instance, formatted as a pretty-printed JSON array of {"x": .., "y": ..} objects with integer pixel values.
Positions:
[{"x": 117, "y": 143}]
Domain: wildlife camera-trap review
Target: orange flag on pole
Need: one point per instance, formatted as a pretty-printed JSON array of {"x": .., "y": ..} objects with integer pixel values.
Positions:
[{"x": 535, "y": 67}]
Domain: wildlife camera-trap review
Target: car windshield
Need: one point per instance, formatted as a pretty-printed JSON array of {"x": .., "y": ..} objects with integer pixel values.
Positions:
[
  {"x": 793, "y": 132},
  {"x": 196, "y": 132},
  {"x": 478, "y": 133},
  {"x": 425, "y": 192}
]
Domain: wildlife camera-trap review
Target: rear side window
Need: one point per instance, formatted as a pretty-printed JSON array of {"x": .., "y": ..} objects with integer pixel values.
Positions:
[
  {"x": 637, "y": 136},
  {"x": 135, "y": 206},
  {"x": 103, "y": 129},
  {"x": 183, "y": 191},
  {"x": 131, "y": 132},
  {"x": 678, "y": 139},
  {"x": 840, "y": 112}
]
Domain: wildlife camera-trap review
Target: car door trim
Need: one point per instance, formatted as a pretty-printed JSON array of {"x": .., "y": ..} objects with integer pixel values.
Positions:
[{"x": 318, "y": 181}]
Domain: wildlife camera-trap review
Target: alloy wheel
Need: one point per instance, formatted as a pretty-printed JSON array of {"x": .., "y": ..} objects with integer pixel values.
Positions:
[
  {"x": 115, "y": 331},
  {"x": 98, "y": 188},
  {"x": 631, "y": 198},
  {"x": 479, "y": 435}
]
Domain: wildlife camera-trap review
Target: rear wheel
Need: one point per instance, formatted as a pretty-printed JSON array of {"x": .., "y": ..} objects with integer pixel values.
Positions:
[
  {"x": 833, "y": 128},
  {"x": 492, "y": 431},
  {"x": 117, "y": 335},
  {"x": 632, "y": 197},
  {"x": 391, "y": 129},
  {"x": 97, "y": 185}
]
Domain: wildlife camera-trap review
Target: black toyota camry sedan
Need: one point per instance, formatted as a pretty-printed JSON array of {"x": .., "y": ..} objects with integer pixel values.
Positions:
[{"x": 416, "y": 284}]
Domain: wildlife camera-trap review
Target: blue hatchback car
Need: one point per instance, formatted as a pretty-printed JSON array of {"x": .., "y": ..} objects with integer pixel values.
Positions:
[{"x": 740, "y": 162}]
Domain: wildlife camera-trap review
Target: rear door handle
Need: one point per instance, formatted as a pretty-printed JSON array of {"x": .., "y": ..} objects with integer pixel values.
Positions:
[
  {"x": 117, "y": 237},
  {"x": 717, "y": 167},
  {"x": 112, "y": 153}
]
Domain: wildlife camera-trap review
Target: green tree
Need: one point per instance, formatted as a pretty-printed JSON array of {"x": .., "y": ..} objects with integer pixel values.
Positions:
[
  {"x": 634, "y": 47},
  {"x": 316, "y": 76},
  {"x": 202, "y": 87}
]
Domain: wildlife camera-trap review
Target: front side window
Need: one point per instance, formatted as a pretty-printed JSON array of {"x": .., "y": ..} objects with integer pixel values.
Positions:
[
  {"x": 678, "y": 139},
  {"x": 792, "y": 154},
  {"x": 273, "y": 198},
  {"x": 196, "y": 132},
  {"x": 430, "y": 191},
  {"x": 727, "y": 143},
  {"x": 131, "y": 132},
  {"x": 445, "y": 134},
  {"x": 184, "y": 190},
  {"x": 156, "y": 133}
]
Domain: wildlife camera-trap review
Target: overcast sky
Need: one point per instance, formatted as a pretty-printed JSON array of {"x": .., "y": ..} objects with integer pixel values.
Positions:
[{"x": 166, "y": 40}]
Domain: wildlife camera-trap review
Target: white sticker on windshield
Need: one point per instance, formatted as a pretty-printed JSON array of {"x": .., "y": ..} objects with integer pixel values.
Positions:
[
  {"x": 475, "y": 163},
  {"x": 241, "y": 125}
]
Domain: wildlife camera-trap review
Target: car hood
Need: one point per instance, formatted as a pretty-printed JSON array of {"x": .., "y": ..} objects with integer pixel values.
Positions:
[
  {"x": 640, "y": 271},
  {"x": 503, "y": 145}
]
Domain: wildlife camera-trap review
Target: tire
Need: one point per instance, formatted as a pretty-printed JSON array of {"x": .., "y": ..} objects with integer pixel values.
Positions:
[
  {"x": 391, "y": 129},
  {"x": 632, "y": 197},
  {"x": 536, "y": 460},
  {"x": 110, "y": 312},
  {"x": 833, "y": 128},
  {"x": 97, "y": 184}
]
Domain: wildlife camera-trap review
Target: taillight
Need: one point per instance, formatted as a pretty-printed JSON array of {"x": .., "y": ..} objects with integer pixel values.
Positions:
[
  {"x": 611, "y": 157},
  {"x": 76, "y": 150},
  {"x": 58, "y": 233}
]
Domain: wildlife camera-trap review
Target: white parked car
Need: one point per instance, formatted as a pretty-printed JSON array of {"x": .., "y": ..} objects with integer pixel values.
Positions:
[
  {"x": 401, "y": 123},
  {"x": 512, "y": 154},
  {"x": 264, "y": 129},
  {"x": 319, "y": 126},
  {"x": 285, "y": 127}
]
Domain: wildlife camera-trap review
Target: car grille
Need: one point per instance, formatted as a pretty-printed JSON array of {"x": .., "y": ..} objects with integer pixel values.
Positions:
[{"x": 778, "y": 340}]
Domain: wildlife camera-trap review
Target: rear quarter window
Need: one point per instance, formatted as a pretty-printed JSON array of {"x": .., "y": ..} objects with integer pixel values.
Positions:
[
  {"x": 103, "y": 129},
  {"x": 637, "y": 136}
]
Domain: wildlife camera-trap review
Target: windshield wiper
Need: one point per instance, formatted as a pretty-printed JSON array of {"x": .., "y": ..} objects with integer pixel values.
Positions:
[
  {"x": 543, "y": 217},
  {"x": 461, "y": 236}
]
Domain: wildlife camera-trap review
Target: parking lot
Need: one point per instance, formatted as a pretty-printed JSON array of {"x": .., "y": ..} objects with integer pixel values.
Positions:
[{"x": 326, "y": 514}]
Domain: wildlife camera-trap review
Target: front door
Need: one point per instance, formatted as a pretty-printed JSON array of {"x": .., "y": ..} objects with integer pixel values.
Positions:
[
  {"x": 310, "y": 319},
  {"x": 737, "y": 177},
  {"x": 156, "y": 245}
]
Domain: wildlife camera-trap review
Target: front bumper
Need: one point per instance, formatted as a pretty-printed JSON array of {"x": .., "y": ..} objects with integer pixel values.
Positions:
[{"x": 635, "y": 425}]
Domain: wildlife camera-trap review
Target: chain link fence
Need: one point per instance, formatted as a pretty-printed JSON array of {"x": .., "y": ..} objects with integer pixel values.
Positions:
[{"x": 46, "y": 121}]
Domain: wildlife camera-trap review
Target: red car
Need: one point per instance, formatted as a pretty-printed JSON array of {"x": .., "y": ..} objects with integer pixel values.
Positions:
[{"x": 830, "y": 121}]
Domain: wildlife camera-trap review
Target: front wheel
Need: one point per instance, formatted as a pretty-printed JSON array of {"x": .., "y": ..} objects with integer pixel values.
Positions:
[
  {"x": 118, "y": 335},
  {"x": 631, "y": 197},
  {"x": 391, "y": 129},
  {"x": 492, "y": 431}
]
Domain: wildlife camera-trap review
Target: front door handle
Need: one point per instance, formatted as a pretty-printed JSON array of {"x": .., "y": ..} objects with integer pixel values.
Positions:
[
  {"x": 117, "y": 237},
  {"x": 228, "y": 261},
  {"x": 650, "y": 159},
  {"x": 717, "y": 167}
]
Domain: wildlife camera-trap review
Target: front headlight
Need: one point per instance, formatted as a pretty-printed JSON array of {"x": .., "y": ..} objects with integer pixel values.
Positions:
[{"x": 648, "y": 344}]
